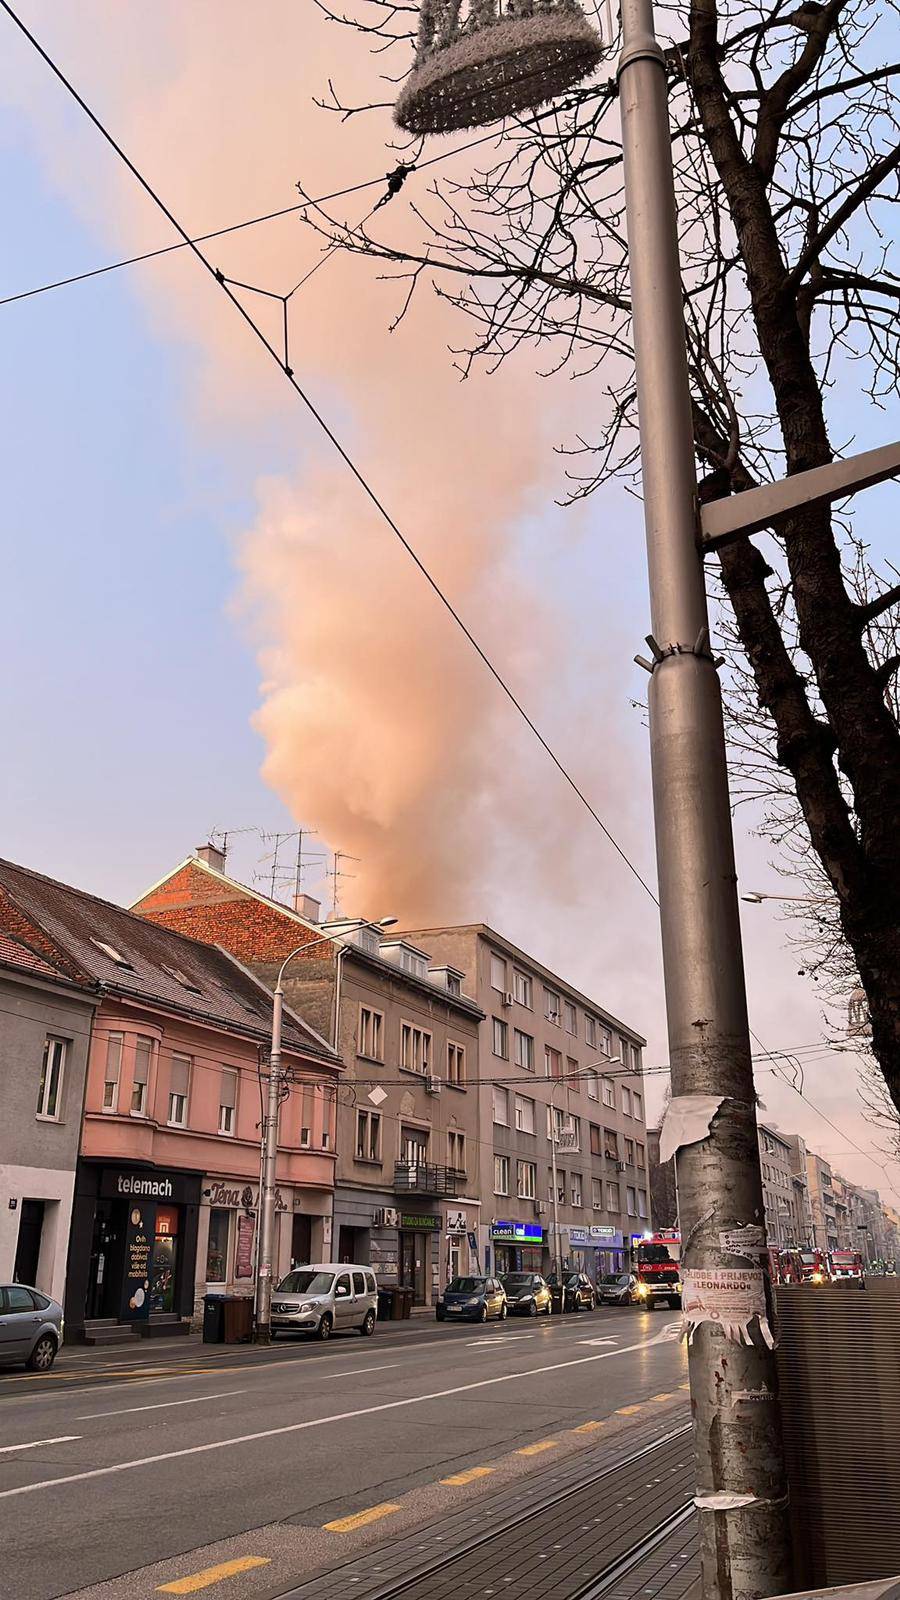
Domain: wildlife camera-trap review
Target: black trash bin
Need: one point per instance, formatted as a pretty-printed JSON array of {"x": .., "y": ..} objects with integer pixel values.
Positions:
[
  {"x": 385, "y": 1302},
  {"x": 213, "y": 1319}
]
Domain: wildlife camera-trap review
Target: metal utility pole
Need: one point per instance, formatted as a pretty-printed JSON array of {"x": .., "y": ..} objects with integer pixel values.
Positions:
[{"x": 741, "y": 1486}]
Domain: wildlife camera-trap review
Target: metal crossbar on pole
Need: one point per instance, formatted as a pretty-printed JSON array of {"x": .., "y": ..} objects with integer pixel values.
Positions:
[{"x": 723, "y": 521}]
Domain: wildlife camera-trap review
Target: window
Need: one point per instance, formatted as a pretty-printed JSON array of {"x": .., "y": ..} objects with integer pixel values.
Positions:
[
  {"x": 415, "y": 1048},
  {"x": 414, "y": 1145},
  {"x": 596, "y": 1194},
  {"x": 498, "y": 974},
  {"x": 305, "y": 1138},
  {"x": 552, "y": 1062},
  {"x": 612, "y": 1197},
  {"x": 217, "y": 1246},
  {"x": 526, "y": 1179},
  {"x": 113, "y": 1068},
  {"x": 112, "y": 954},
  {"x": 639, "y": 1154},
  {"x": 228, "y": 1100},
  {"x": 609, "y": 1092},
  {"x": 642, "y": 1203},
  {"x": 605, "y": 1042},
  {"x": 571, "y": 1070},
  {"x": 501, "y": 1174},
  {"x": 557, "y": 1120},
  {"x": 143, "y": 1055},
  {"x": 590, "y": 1031},
  {"x": 625, "y": 1052},
  {"x": 631, "y": 1201},
  {"x": 500, "y": 1098},
  {"x": 524, "y": 1050},
  {"x": 610, "y": 1144},
  {"x": 52, "y": 1067},
  {"x": 371, "y": 1034},
  {"x": 524, "y": 1114},
  {"x": 522, "y": 988},
  {"x": 629, "y": 1152},
  {"x": 178, "y": 975},
  {"x": 179, "y": 1081},
  {"x": 500, "y": 1038},
  {"x": 576, "y": 1189},
  {"x": 456, "y": 1151},
  {"x": 596, "y": 1146},
  {"x": 626, "y": 1101},
  {"x": 368, "y": 1136},
  {"x": 593, "y": 1086},
  {"x": 560, "y": 1186},
  {"x": 456, "y": 1063},
  {"x": 570, "y": 1016},
  {"x": 637, "y": 1105},
  {"x": 551, "y": 1006}
]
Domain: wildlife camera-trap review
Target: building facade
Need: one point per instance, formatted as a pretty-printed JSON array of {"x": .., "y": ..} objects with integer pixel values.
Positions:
[
  {"x": 784, "y": 1190},
  {"x": 407, "y": 1167},
  {"x": 561, "y": 1068},
  {"x": 823, "y": 1210},
  {"x": 47, "y": 1012},
  {"x": 167, "y": 1177}
]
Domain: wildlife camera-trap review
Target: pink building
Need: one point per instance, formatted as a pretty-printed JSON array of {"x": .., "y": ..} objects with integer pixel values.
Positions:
[{"x": 167, "y": 1181}]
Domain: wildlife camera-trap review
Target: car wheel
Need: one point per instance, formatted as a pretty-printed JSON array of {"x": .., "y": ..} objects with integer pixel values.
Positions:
[
  {"x": 367, "y": 1327},
  {"x": 532, "y": 1309},
  {"x": 43, "y": 1355},
  {"x": 482, "y": 1315},
  {"x": 323, "y": 1331},
  {"x": 502, "y": 1312}
]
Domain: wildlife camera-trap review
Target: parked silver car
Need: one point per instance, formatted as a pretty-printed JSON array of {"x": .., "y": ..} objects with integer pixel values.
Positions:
[
  {"x": 31, "y": 1327},
  {"x": 326, "y": 1298}
]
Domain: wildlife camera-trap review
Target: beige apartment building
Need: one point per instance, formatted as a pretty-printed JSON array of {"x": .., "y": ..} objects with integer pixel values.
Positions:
[
  {"x": 553, "y": 1063},
  {"x": 784, "y": 1190}
]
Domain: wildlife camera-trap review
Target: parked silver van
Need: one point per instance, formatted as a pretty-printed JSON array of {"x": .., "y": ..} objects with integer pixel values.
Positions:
[{"x": 324, "y": 1299}]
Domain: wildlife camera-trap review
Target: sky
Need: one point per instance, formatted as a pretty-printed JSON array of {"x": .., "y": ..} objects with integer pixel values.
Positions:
[{"x": 206, "y": 624}]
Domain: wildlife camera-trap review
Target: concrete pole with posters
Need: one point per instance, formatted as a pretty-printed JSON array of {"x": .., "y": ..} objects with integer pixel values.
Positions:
[{"x": 744, "y": 1540}]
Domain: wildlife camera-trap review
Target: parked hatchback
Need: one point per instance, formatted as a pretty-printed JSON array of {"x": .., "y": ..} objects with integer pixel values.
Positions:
[
  {"x": 527, "y": 1294},
  {"x": 617, "y": 1289},
  {"x": 578, "y": 1291},
  {"x": 472, "y": 1299},
  {"x": 327, "y": 1298},
  {"x": 31, "y": 1327}
]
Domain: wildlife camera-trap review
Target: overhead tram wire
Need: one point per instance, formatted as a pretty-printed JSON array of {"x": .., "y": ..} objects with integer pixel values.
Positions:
[
  {"x": 192, "y": 244},
  {"x": 370, "y": 493}
]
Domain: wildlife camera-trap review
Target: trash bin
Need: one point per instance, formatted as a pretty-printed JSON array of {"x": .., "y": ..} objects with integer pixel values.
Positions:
[
  {"x": 404, "y": 1308},
  {"x": 238, "y": 1319},
  {"x": 556, "y": 1297},
  {"x": 385, "y": 1303},
  {"x": 213, "y": 1319}
]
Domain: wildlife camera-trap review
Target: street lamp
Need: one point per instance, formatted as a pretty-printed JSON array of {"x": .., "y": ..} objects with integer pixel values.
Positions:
[
  {"x": 607, "y": 1061},
  {"x": 267, "y": 1182},
  {"x": 755, "y": 897}
]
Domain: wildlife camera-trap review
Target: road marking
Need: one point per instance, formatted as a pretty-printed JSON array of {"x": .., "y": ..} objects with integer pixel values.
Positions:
[
  {"x": 665, "y": 1396},
  {"x": 211, "y": 1575},
  {"x": 536, "y": 1449},
  {"x": 627, "y": 1411},
  {"x": 598, "y": 1341},
  {"x": 360, "y": 1518},
  {"x": 160, "y": 1405},
  {"x": 329, "y": 1376},
  {"x": 323, "y": 1422},
  {"x": 492, "y": 1338},
  {"x": 64, "y": 1438},
  {"x": 589, "y": 1427},
  {"x": 468, "y": 1476},
  {"x": 684, "y": 1386}
]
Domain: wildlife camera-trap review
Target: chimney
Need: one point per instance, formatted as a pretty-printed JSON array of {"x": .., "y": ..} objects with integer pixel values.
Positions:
[
  {"x": 211, "y": 856},
  {"x": 306, "y": 906}
]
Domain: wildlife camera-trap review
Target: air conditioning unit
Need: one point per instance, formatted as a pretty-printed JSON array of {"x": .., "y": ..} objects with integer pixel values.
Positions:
[
  {"x": 508, "y": 998},
  {"x": 540, "y": 1208},
  {"x": 620, "y": 1166},
  {"x": 432, "y": 1084},
  {"x": 386, "y": 1217}
]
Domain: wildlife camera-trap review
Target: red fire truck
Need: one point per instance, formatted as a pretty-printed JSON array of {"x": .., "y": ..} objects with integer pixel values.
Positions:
[
  {"x": 845, "y": 1264},
  {"x": 657, "y": 1269},
  {"x": 804, "y": 1266}
]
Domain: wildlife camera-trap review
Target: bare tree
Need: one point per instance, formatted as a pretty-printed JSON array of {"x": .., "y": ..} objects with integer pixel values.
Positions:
[{"x": 786, "y": 144}]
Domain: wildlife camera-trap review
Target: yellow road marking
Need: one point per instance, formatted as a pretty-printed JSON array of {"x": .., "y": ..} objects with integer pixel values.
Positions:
[
  {"x": 588, "y": 1427},
  {"x": 211, "y": 1575},
  {"x": 468, "y": 1476},
  {"x": 668, "y": 1396},
  {"x": 360, "y": 1518},
  {"x": 684, "y": 1386},
  {"x": 535, "y": 1449},
  {"x": 627, "y": 1411}
]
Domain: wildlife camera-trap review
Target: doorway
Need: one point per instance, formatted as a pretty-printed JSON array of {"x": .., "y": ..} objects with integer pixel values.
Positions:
[
  {"x": 413, "y": 1250},
  {"x": 28, "y": 1247},
  {"x": 301, "y": 1240},
  {"x": 107, "y": 1260}
]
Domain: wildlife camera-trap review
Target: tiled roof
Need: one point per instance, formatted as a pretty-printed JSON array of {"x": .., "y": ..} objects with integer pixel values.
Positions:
[
  {"x": 163, "y": 967},
  {"x": 14, "y": 954}
]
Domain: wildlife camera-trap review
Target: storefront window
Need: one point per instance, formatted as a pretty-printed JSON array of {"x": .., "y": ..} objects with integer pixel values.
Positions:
[{"x": 217, "y": 1247}]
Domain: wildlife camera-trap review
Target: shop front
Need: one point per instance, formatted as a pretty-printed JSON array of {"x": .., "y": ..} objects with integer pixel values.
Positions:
[
  {"x": 597, "y": 1250},
  {"x": 133, "y": 1245},
  {"x": 418, "y": 1257},
  {"x": 227, "y": 1234},
  {"x": 517, "y": 1246}
]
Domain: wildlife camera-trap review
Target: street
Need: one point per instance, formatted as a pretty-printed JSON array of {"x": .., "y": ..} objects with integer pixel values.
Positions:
[{"x": 241, "y": 1457}]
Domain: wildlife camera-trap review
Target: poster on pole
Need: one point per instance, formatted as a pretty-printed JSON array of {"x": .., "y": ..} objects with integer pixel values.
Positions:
[
  {"x": 730, "y": 1297},
  {"x": 243, "y": 1250}
]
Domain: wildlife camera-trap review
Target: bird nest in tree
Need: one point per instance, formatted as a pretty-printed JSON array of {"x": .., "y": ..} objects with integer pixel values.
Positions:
[{"x": 494, "y": 62}]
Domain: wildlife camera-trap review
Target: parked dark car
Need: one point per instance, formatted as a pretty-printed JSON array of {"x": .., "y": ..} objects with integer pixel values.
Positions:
[
  {"x": 577, "y": 1289},
  {"x": 527, "y": 1294},
  {"x": 472, "y": 1300},
  {"x": 31, "y": 1327},
  {"x": 617, "y": 1289}
]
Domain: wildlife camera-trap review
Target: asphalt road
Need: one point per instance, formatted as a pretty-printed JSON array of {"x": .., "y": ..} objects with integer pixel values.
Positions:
[{"x": 198, "y": 1455}]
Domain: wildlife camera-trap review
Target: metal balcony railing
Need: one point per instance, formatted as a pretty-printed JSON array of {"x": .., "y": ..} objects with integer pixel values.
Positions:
[{"x": 421, "y": 1177}]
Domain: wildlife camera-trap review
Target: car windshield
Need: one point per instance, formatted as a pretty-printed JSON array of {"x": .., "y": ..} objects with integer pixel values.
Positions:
[
  {"x": 306, "y": 1281},
  {"x": 616, "y": 1277},
  {"x": 465, "y": 1285},
  {"x": 518, "y": 1280}
]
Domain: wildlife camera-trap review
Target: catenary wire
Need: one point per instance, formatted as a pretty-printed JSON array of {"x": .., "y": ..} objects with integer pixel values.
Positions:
[{"x": 193, "y": 245}]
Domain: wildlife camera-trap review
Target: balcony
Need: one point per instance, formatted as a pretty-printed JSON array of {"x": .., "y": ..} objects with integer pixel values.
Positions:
[{"x": 420, "y": 1177}]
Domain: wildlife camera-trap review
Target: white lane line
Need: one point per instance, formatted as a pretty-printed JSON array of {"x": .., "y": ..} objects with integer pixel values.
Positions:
[
  {"x": 492, "y": 1338},
  {"x": 581, "y": 1341},
  {"x": 161, "y": 1405},
  {"x": 322, "y": 1422},
  {"x": 64, "y": 1438},
  {"x": 329, "y": 1377}
]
